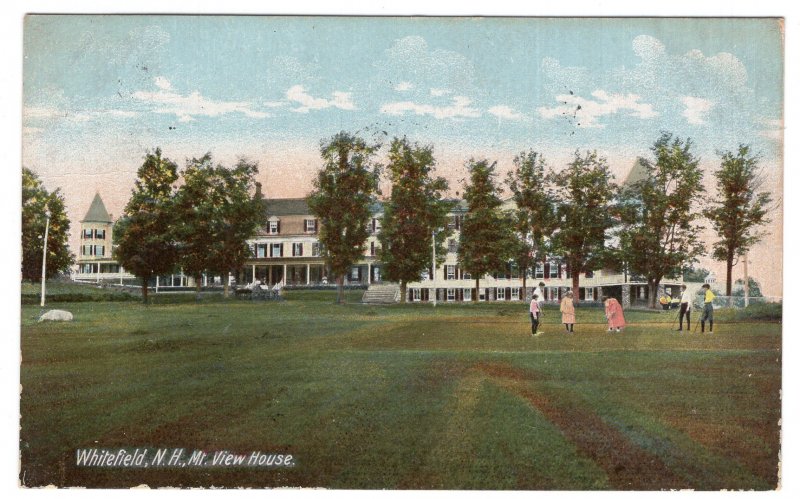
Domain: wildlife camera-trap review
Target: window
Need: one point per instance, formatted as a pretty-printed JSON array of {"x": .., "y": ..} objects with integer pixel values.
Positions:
[
  {"x": 100, "y": 250},
  {"x": 297, "y": 249},
  {"x": 315, "y": 249},
  {"x": 274, "y": 227},
  {"x": 354, "y": 272},
  {"x": 553, "y": 269},
  {"x": 415, "y": 294},
  {"x": 482, "y": 294},
  {"x": 87, "y": 233},
  {"x": 451, "y": 294},
  {"x": 590, "y": 293},
  {"x": 452, "y": 246},
  {"x": 376, "y": 225},
  {"x": 501, "y": 293},
  {"x": 451, "y": 222},
  {"x": 372, "y": 248},
  {"x": 261, "y": 250},
  {"x": 276, "y": 250},
  {"x": 589, "y": 274},
  {"x": 88, "y": 268},
  {"x": 311, "y": 225},
  {"x": 539, "y": 273},
  {"x": 515, "y": 293},
  {"x": 451, "y": 272},
  {"x": 467, "y": 276},
  {"x": 468, "y": 294}
]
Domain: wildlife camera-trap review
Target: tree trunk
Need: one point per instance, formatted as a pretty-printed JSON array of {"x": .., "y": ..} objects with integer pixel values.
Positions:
[
  {"x": 226, "y": 285},
  {"x": 652, "y": 288},
  {"x": 576, "y": 286},
  {"x": 198, "y": 285},
  {"x": 525, "y": 285},
  {"x": 729, "y": 274},
  {"x": 340, "y": 289},
  {"x": 477, "y": 288},
  {"x": 144, "y": 291},
  {"x": 403, "y": 291}
]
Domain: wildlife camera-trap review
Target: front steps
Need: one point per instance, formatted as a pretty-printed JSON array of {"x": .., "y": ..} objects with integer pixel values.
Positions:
[{"x": 381, "y": 293}]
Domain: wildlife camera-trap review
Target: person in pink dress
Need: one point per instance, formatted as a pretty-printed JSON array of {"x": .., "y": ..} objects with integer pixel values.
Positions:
[
  {"x": 568, "y": 312},
  {"x": 614, "y": 315}
]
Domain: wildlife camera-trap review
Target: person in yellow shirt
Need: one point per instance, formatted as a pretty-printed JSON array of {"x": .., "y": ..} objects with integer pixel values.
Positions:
[{"x": 708, "y": 310}]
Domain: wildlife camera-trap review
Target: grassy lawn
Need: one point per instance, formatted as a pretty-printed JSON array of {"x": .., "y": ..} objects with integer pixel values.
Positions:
[{"x": 460, "y": 397}]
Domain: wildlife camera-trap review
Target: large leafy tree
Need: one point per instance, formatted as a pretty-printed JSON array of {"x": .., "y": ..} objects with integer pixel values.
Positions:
[
  {"x": 584, "y": 196},
  {"x": 145, "y": 236},
  {"x": 36, "y": 202},
  {"x": 487, "y": 241},
  {"x": 659, "y": 235},
  {"x": 534, "y": 217},
  {"x": 739, "y": 210},
  {"x": 414, "y": 211},
  {"x": 344, "y": 191},
  {"x": 219, "y": 209}
]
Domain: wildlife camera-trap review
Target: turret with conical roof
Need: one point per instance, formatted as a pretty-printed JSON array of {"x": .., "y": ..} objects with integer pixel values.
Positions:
[{"x": 97, "y": 211}]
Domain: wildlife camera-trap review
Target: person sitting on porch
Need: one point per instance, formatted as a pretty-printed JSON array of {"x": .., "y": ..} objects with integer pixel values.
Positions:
[{"x": 664, "y": 301}]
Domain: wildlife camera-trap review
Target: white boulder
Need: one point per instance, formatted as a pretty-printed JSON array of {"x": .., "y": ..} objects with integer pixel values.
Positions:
[{"x": 56, "y": 315}]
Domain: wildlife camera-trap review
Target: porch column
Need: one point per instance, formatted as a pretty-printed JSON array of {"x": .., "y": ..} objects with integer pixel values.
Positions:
[
  {"x": 369, "y": 273},
  {"x": 270, "y": 275},
  {"x": 254, "y": 273},
  {"x": 626, "y": 296},
  {"x": 284, "y": 274},
  {"x": 205, "y": 280},
  {"x": 308, "y": 274},
  {"x": 156, "y": 284}
]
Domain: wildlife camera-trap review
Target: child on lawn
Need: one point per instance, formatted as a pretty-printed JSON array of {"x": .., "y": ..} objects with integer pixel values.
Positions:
[{"x": 614, "y": 315}]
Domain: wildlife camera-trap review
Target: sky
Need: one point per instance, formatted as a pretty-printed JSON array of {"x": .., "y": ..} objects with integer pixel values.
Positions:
[{"x": 100, "y": 91}]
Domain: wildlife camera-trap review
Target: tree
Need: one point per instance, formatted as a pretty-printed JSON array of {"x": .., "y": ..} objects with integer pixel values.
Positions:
[
  {"x": 36, "y": 201},
  {"x": 534, "y": 217},
  {"x": 219, "y": 209},
  {"x": 692, "y": 274},
  {"x": 145, "y": 236},
  {"x": 739, "y": 210},
  {"x": 413, "y": 212},
  {"x": 659, "y": 235},
  {"x": 753, "y": 290},
  {"x": 486, "y": 236},
  {"x": 344, "y": 191},
  {"x": 584, "y": 195}
]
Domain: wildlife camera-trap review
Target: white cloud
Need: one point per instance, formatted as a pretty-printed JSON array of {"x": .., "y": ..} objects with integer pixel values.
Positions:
[
  {"x": 505, "y": 112},
  {"x": 404, "y": 86},
  {"x": 162, "y": 83},
  {"x": 696, "y": 109},
  {"x": 52, "y": 114},
  {"x": 438, "y": 92},
  {"x": 411, "y": 59},
  {"x": 587, "y": 111},
  {"x": 186, "y": 107},
  {"x": 774, "y": 129},
  {"x": 298, "y": 94},
  {"x": 460, "y": 108}
]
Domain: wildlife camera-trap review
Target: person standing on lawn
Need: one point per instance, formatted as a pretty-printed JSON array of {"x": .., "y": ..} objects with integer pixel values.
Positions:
[
  {"x": 614, "y": 315},
  {"x": 534, "y": 310},
  {"x": 568, "y": 312},
  {"x": 540, "y": 293},
  {"x": 686, "y": 309},
  {"x": 708, "y": 310}
]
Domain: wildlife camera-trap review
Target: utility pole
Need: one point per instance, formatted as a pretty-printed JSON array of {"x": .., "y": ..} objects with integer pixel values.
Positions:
[
  {"x": 44, "y": 253},
  {"x": 433, "y": 265},
  {"x": 746, "y": 283}
]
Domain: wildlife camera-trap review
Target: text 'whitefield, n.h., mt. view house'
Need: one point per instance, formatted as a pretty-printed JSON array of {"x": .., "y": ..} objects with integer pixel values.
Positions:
[{"x": 286, "y": 250}]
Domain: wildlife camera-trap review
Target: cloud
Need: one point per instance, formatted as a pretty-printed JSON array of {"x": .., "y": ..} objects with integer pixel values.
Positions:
[
  {"x": 186, "y": 107},
  {"x": 460, "y": 108},
  {"x": 404, "y": 86},
  {"x": 298, "y": 94},
  {"x": 696, "y": 109},
  {"x": 774, "y": 129},
  {"x": 505, "y": 112},
  {"x": 587, "y": 111},
  {"x": 438, "y": 92},
  {"x": 163, "y": 83},
  {"x": 411, "y": 59},
  {"x": 69, "y": 115}
]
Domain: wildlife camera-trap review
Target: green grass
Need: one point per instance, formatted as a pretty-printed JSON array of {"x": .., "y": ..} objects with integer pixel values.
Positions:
[{"x": 405, "y": 396}]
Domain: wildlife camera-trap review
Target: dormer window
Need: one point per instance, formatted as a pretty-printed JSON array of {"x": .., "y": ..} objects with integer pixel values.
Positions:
[
  {"x": 274, "y": 227},
  {"x": 311, "y": 225}
]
